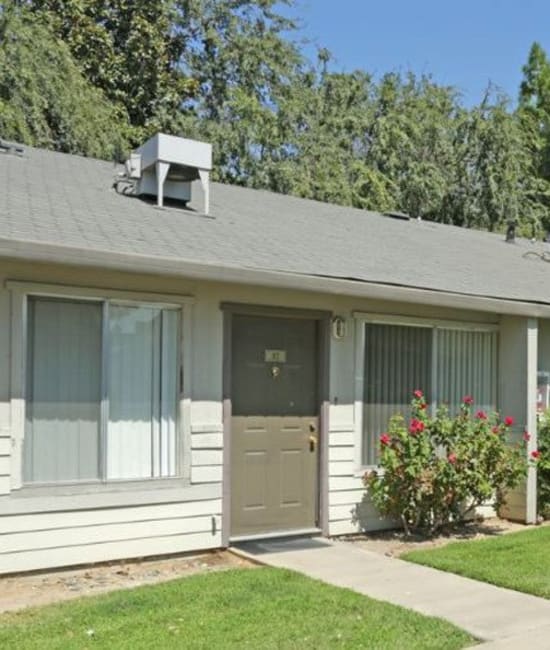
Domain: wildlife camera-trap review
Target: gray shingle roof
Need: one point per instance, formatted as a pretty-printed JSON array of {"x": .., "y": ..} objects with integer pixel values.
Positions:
[{"x": 49, "y": 197}]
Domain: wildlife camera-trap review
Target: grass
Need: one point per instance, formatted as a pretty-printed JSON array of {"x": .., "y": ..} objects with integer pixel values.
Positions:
[
  {"x": 519, "y": 561},
  {"x": 256, "y": 608}
]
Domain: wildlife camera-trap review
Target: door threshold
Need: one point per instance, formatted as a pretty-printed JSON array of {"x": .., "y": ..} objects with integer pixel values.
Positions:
[{"x": 294, "y": 532}]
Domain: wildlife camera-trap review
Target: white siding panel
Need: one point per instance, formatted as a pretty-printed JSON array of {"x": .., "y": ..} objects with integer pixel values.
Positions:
[
  {"x": 54, "y": 520},
  {"x": 344, "y": 483},
  {"x": 207, "y": 457},
  {"x": 341, "y": 468},
  {"x": 342, "y": 512},
  {"x": 344, "y": 527},
  {"x": 67, "y": 556},
  {"x": 345, "y": 497},
  {"x": 4, "y": 465},
  {"x": 341, "y": 453},
  {"x": 208, "y": 474},
  {"x": 206, "y": 441},
  {"x": 5, "y": 485},
  {"x": 5, "y": 446},
  {"x": 342, "y": 438},
  {"x": 108, "y": 533}
]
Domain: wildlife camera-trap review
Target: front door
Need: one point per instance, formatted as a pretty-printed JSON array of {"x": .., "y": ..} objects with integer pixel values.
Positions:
[{"x": 274, "y": 424}]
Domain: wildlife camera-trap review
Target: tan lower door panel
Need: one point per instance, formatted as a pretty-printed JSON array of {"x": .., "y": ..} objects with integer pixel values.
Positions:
[{"x": 274, "y": 475}]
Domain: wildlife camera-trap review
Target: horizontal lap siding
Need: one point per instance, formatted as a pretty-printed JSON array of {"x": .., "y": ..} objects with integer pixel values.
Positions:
[
  {"x": 106, "y": 551},
  {"x": 206, "y": 456},
  {"x": 5, "y": 452},
  {"x": 350, "y": 510},
  {"x": 69, "y": 535},
  {"x": 63, "y": 538}
]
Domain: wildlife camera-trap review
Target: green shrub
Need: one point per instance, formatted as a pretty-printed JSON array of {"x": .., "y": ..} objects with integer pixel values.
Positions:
[
  {"x": 543, "y": 467},
  {"x": 435, "y": 471}
]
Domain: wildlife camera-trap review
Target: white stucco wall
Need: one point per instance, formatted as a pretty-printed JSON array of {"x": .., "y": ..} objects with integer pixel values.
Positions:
[{"x": 122, "y": 521}]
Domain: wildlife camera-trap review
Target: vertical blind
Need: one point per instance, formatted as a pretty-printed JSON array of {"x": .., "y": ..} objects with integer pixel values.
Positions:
[
  {"x": 71, "y": 433},
  {"x": 63, "y": 391},
  {"x": 142, "y": 392},
  {"x": 445, "y": 363},
  {"x": 398, "y": 359},
  {"x": 466, "y": 365}
]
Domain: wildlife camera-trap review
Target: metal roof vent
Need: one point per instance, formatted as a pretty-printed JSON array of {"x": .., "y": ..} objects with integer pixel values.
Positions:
[
  {"x": 397, "y": 215},
  {"x": 166, "y": 165},
  {"x": 511, "y": 231},
  {"x": 11, "y": 147}
]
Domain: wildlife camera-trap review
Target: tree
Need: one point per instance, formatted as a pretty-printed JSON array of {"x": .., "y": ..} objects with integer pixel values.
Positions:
[
  {"x": 130, "y": 51},
  {"x": 241, "y": 56},
  {"x": 44, "y": 99}
]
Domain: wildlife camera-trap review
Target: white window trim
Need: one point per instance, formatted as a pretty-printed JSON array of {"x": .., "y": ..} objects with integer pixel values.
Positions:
[
  {"x": 20, "y": 291},
  {"x": 360, "y": 319}
]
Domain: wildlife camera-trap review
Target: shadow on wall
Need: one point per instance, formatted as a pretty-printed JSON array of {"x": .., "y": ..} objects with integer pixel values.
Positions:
[{"x": 367, "y": 518}]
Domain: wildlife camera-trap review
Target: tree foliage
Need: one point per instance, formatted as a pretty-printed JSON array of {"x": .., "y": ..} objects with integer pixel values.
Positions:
[
  {"x": 129, "y": 50},
  {"x": 44, "y": 98}
]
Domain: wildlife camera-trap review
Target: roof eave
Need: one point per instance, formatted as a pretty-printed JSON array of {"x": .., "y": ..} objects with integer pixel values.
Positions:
[{"x": 51, "y": 253}]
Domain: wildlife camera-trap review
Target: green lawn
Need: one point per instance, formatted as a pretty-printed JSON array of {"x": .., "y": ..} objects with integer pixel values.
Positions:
[
  {"x": 518, "y": 561},
  {"x": 256, "y": 608}
]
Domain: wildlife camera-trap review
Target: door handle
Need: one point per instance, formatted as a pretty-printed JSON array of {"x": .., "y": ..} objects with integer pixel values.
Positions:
[{"x": 312, "y": 443}]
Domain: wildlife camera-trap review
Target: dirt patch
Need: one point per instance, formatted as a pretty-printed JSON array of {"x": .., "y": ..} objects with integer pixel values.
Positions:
[
  {"x": 394, "y": 543},
  {"x": 17, "y": 592}
]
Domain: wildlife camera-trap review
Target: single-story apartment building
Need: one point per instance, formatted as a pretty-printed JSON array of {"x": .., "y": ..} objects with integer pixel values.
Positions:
[{"x": 219, "y": 367}]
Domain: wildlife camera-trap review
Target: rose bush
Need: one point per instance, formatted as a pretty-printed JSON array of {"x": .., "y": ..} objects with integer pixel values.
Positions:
[
  {"x": 543, "y": 467},
  {"x": 434, "y": 471}
]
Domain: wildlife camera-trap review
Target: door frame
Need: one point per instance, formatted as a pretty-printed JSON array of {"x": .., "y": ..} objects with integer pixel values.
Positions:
[{"x": 323, "y": 319}]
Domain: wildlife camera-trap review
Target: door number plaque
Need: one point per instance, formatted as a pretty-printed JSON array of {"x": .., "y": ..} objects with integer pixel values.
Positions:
[{"x": 275, "y": 356}]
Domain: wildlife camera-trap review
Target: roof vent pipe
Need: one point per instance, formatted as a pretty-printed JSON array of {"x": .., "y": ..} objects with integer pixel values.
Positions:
[{"x": 511, "y": 231}]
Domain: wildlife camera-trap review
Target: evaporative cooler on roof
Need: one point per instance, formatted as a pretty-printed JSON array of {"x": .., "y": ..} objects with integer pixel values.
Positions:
[{"x": 166, "y": 165}]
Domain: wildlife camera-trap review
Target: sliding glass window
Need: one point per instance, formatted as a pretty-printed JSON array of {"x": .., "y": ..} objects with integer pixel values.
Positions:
[{"x": 102, "y": 391}]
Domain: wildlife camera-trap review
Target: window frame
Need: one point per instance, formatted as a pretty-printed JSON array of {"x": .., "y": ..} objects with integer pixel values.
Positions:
[
  {"x": 434, "y": 324},
  {"x": 20, "y": 293}
]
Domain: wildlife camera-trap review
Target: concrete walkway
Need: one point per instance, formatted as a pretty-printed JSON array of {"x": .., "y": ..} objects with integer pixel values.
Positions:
[{"x": 504, "y": 618}]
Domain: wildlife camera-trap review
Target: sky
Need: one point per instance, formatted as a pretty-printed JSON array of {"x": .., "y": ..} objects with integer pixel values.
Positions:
[{"x": 463, "y": 43}]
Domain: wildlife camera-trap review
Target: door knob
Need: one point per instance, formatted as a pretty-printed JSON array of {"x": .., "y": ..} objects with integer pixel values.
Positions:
[
  {"x": 312, "y": 427},
  {"x": 312, "y": 443}
]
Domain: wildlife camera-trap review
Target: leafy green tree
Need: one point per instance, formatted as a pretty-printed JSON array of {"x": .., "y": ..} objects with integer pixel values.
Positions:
[
  {"x": 44, "y": 99},
  {"x": 534, "y": 116},
  {"x": 241, "y": 55},
  {"x": 129, "y": 50}
]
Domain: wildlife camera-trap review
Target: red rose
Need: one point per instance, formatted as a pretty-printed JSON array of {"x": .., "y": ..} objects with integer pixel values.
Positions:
[
  {"x": 416, "y": 426},
  {"x": 481, "y": 415},
  {"x": 469, "y": 400},
  {"x": 422, "y": 406},
  {"x": 495, "y": 430},
  {"x": 418, "y": 394},
  {"x": 385, "y": 439},
  {"x": 535, "y": 454},
  {"x": 526, "y": 436},
  {"x": 508, "y": 421},
  {"x": 451, "y": 458}
]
